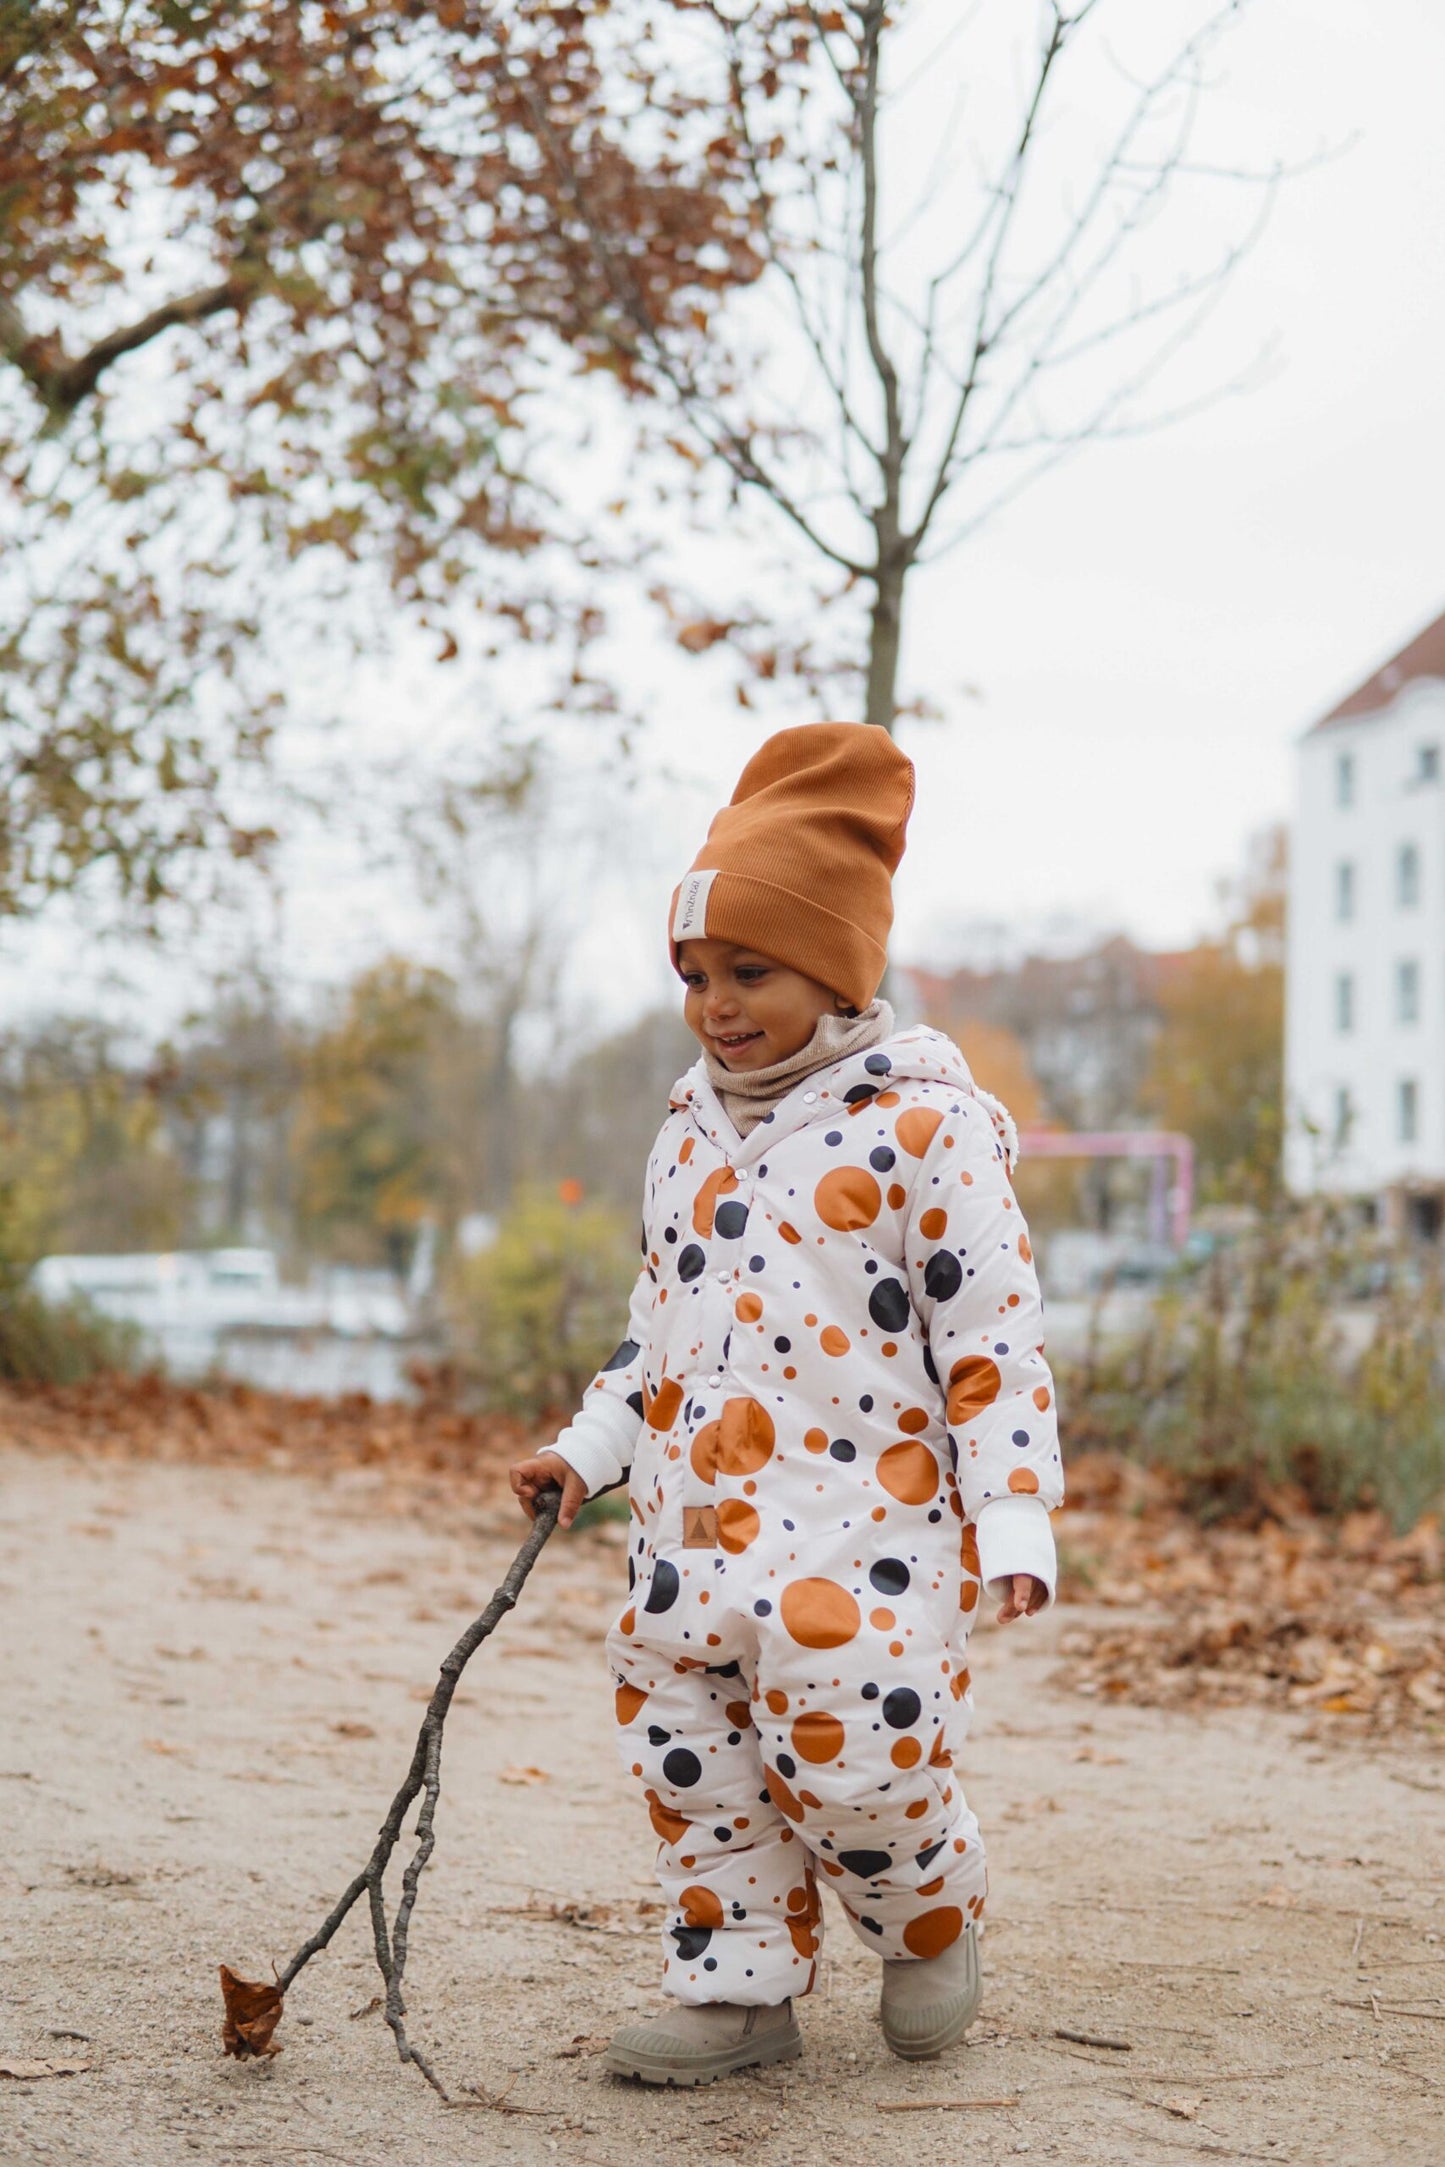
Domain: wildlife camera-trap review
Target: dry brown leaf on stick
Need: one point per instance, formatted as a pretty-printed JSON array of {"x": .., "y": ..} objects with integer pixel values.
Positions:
[
  {"x": 253, "y": 2010},
  {"x": 252, "y": 2013}
]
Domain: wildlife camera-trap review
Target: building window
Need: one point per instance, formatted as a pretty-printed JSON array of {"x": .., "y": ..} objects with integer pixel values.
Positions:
[
  {"x": 1427, "y": 767},
  {"x": 1344, "y": 889},
  {"x": 1407, "y": 991},
  {"x": 1344, "y": 1117},
  {"x": 1344, "y": 778},
  {"x": 1408, "y": 1103},
  {"x": 1344, "y": 1002},
  {"x": 1407, "y": 876}
]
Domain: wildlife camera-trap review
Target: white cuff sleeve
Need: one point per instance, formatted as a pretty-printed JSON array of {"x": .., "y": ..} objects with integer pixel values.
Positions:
[
  {"x": 598, "y": 1445},
  {"x": 1015, "y": 1536}
]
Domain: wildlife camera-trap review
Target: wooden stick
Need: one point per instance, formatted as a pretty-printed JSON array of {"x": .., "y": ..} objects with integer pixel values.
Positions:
[
  {"x": 389, "y": 1940},
  {"x": 1096, "y": 2039}
]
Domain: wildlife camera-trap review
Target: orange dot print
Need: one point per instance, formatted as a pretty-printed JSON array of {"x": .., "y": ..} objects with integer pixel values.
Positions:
[
  {"x": 968, "y": 1596},
  {"x": 684, "y": 1151},
  {"x": 721, "y": 1182},
  {"x": 1026, "y": 1253},
  {"x": 739, "y": 1714},
  {"x": 670, "y": 1825},
  {"x": 748, "y": 1308},
  {"x": 1041, "y": 1397},
  {"x": 907, "y": 1753},
  {"x": 629, "y": 1700},
  {"x": 933, "y": 1931},
  {"x": 817, "y": 1737},
  {"x": 788, "y": 1232},
  {"x": 701, "y": 1907},
  {"x": 704, "y": 1452},
  {"x": 781, "y": 1796},
  {"x": 916, "y": 1129},
  {"x": 834, "y": 1341},
  {"x": 913, "y": 1419},
  {"x": 847, "y": 1198},
  {"x": 816, "y": 1440},
  {"x": 973, "y": 1384},
  {"x": 934, "y": 1224},
  {"x": 1024, "y": 1481},
  {"x": 804, "y": 1940},
  {"x": 968, "y": 1548},
  {"x": 737, "y": 1525},
  {"x": 897, "y": 1196},
  {"x": 663, "y": 1411},
  {"x": 746, "y": 1438},
  {"x": 819, "y": 1614},
  {"x": 777, "y": 1702},
  {"x": 909, "y": 1472}
]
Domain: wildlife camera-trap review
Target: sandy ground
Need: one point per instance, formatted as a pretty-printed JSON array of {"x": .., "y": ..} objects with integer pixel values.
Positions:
[{"x": 211, "y": 1683}]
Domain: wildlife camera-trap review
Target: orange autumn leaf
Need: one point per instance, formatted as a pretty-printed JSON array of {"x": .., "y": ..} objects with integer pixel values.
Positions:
[{"x": 253, "y": 2011}]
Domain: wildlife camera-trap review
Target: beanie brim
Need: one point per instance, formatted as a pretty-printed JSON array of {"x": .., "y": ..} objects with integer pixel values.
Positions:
[{"x": 792, "y": 929}]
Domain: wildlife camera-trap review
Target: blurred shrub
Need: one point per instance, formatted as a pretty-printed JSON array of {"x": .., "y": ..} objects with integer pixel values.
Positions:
[
  {"x": 57, "y": 1342},
  {"x": 533, "y": 1317},
  {"x": 43, "y": 1342},
  {"x": 1267, "y": 1368}
]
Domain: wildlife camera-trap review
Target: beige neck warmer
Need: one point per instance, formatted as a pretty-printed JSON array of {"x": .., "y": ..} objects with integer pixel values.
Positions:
[{"x": 746, "y": 1097}]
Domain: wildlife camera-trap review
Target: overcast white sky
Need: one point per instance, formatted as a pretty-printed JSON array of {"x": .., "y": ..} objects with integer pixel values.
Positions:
[{"x": 1147, "y": 632}]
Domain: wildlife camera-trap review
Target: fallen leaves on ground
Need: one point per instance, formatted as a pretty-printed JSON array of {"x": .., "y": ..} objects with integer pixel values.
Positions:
[
  {"x": 253, "y": 2010},
  {"x": 236, "y": 1425},
  {"x": 622, "y": 1917},
  {"x": 1331, "y": 1618},
  {"x": 1337, "y": 1619}
]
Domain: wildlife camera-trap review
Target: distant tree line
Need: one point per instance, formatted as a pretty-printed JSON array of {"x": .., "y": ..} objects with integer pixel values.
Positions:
[{"x": 398, "y": 1104}]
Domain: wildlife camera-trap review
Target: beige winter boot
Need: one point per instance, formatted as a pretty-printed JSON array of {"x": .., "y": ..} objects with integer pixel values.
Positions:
[
  {"x": 928, "y": 2002},
  {"x": 686, "y": 2045}
]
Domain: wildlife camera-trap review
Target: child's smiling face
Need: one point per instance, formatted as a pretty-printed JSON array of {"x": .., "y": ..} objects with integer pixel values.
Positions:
[{"x": 747, "y": 1010}]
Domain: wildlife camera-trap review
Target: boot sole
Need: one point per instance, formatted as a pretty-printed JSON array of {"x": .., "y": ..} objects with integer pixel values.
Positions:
[
  {"x": 926, "y": 2050},
  {"x": 658, "y": 2069}
]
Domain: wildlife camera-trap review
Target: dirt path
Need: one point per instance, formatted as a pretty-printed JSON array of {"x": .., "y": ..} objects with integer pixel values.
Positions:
[{"x": 211, "y": 1682}]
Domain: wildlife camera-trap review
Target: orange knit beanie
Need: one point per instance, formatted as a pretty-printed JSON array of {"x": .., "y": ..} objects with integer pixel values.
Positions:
[{"x": 799, "y": 866}]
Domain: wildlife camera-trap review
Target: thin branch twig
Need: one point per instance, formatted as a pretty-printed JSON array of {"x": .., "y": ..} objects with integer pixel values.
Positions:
[{"x": 423, "y": 1777}]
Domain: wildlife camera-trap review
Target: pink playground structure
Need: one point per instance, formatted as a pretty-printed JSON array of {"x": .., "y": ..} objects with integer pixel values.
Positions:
[{"x": 1170, "y": 1203}]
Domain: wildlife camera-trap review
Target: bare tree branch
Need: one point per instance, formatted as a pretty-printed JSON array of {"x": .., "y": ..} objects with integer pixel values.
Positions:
[
  {"x": 1008, "y": 197},
  {"x": 65, "y": 382},
  {"x": 423, "y": 1779}
]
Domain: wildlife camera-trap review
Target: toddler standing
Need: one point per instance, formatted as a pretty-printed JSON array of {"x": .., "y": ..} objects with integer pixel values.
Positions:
[{"x": 839, "y": 1427}]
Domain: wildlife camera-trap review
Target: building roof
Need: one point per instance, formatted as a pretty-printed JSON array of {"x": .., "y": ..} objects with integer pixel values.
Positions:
[{"x": 1423, "y": 657}]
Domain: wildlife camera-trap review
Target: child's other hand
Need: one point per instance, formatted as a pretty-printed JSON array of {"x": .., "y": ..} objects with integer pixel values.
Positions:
[
  {"x": 548, "y": 1471},
  {"x": 1026, "y": 1597}
]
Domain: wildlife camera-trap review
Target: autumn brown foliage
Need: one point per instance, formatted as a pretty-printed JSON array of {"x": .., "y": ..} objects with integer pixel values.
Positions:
[{"x": 275, "y": 285}]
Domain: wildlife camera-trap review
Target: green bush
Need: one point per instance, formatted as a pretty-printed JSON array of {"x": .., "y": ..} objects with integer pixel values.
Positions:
[
  {"x": 58, "y": 1342},
  {"x": 532, "y": 1317},
  {"x": 1299, "y": 1357}
]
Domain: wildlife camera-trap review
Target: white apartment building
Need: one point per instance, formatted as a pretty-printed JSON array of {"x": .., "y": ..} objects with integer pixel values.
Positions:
[{"x": 1365, "y": 1000}]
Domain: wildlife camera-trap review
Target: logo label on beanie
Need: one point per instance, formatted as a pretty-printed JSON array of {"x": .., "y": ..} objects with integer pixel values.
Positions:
[{"x": 689, "y": 920}]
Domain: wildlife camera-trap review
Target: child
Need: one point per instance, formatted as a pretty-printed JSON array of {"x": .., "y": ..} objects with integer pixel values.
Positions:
[{"x": 839, "y": 1424}]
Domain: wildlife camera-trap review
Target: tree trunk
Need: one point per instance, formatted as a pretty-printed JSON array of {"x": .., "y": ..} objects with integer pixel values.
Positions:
[{"x": 885, "y": 640}]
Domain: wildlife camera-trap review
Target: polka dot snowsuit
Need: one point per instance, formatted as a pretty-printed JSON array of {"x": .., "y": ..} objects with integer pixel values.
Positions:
[{"x": 834, "y": 1367}]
